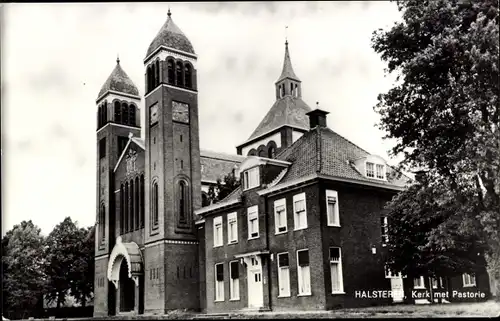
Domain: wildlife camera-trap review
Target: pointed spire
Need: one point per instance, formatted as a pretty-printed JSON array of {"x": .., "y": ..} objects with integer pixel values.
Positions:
[{"x": 287, "y": 71}]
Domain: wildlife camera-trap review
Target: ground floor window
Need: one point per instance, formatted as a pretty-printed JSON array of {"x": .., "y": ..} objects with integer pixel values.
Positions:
[
  {"x": 219, "y": 282},
  {"x": 469, "y": 279},
  {"x": 283, "y": 275},
  {"x": 418, "y": 283},
  {"x": 303, "y": 272},
  {"x": 336, "y": 270},
  {"x": 234, "y": 281}
]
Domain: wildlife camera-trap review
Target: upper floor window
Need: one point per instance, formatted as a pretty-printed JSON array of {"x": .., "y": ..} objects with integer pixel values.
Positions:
[
  {"x": 385, "y": 230},
  {"x": 178, "y": 74},
  {"x": 218, "y": 231},
  {"x": 332, "y": 208},
  {"x": 170, "y": 72},
  {"x": 154, "y": 205},
  {"x": 469, "y": 279},
  {"x": 253, "y": 222},
  {"x": 131, "y": 117},
  {"x": 251, "y": 178},
  {"x": 299, "y": 210},
  {"x": 118, "y": 113},
  {"x": 375, "y": 170},
  {"x": 183, "y": 201},
  {"x": 102, "y": 223},
  {"x": 280, "y": 216},
  {"x": 232, "y": 228},
  {"x": 188, "y": 76},
  {"x": 102, "y": 147},
  {"x": 271, "y": 152}
]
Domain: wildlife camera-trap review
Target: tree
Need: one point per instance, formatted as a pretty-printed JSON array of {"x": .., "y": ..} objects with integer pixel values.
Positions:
[
  {"x": 426, "y": 239},
  {"x": 62, "y": 252},
  {"x": 82, "y": 271},
  {"x": 222, "y": 189},
  {"x": 23, "y": 278},
  {"x": 444, "y": 110}
]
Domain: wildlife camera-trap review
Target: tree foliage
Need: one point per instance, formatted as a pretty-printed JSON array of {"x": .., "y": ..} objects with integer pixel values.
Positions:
[
  {"x": 443, "y": 111},
  {"x": 23, "y": 277},
  {"x": 221, "y": 190}
]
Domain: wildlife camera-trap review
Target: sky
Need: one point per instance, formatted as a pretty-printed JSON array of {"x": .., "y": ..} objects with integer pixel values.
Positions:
[{"x": 55, "y": 58}]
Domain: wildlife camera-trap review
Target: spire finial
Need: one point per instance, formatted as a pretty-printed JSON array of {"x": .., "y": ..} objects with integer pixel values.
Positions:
[
  {"x": 286, "y": 36},
  {"x": 118, "y": 59},
  {"x": 169, "y": 13},
  {"x": 317, "y": 104}
]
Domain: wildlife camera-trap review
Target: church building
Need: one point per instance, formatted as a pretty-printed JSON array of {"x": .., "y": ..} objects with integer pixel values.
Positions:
[{"x": 304, "y": 231}]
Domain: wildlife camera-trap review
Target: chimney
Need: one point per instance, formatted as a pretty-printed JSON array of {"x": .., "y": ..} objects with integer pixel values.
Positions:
[{"x": 317, "y": 117}]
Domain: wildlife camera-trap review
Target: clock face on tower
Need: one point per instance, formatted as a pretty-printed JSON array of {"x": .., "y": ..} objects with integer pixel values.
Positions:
[
  {"x": 153, "y": 114},
  {"x": 180, "y": 112}
]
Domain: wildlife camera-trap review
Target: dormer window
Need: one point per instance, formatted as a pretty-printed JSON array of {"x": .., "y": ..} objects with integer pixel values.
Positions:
[
  {"x": 251, "y": 178},
  {"x": 375, "y": 170}
]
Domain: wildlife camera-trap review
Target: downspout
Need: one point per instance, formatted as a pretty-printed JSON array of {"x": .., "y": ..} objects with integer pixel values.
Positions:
[{"x": 269, "y": 278}]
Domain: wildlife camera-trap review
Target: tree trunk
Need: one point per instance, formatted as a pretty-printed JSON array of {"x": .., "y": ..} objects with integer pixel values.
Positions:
[
  {"x": 429, "y": 281},
  {"x": 439, "y": 286}
]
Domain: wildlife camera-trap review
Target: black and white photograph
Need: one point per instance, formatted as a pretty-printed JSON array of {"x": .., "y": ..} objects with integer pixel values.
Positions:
[{"x": 250, "y": 160}]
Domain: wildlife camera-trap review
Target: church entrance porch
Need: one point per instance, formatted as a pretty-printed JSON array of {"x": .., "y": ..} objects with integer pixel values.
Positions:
[{"x": 125, "y": 271}]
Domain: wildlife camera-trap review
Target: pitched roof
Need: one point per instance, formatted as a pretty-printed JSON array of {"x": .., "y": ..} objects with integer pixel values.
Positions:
[
  {"x": 287, "y": 71},
  {"x": 170, "y": 36},
  {"x": 119, "y": 81},
  {"x": 216, "y": 165},
  {"x": 289, "y": 111},
  {"x": 324, "y": 152}
]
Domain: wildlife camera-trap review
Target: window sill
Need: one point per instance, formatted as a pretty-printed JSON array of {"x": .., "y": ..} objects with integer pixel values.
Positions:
[
  {"x": 469, "y": 285},
  {"x": 254, "y": 238},
  {"x": 305, "y": 294},
  {"x": 220, "y": 245},
  {"x": 333, "y": 225},
  {"x": 238, "y": 299},
  {"x": 284, "y": 296},
  {"x": 338, "y": 292},
  {"x": 300, "y": 228},
  {"x": 419, "y": 287},
  {"x": 278, "y": 233},
  {"x": 231, "y": 243},
  {"x": 218, "y": 300}
]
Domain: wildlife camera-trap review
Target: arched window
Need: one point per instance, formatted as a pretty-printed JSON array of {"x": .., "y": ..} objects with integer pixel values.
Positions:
[
  {"x": 149, "y": 85},
  {"x": 125, "y": 209},
  {"x": 124, "y": 113},
  {"x": 296, "y": 91},
  {"x": 262, "y": 153},
  {"x": 283, "y": 91},
  {"x": 122, "y": 209},
  {"x": 183, "y": 198},
  {"x": 252, "y": 152},
  {"x": 291, "y": 89},
  {"x": 142, "y": 201},
  {"x": 270, "y": 152},
  {"x": 131, "y": 115},
  {"x": 133, "y": 224},
  {"x": 188, "y": 76},
  {"x": 118, "y": 113},
  {"x": 153, "y": 73},
  {"x": 136, "y": 202},
  {"x": 102, "y": 222},
  {"x": 157, "y": 73},
  {"x": 170, "y": 72},
  {"x": 99, "y": 117},
  {"x": 105, "y": 113},
  {"x": 154, "y": 203},
  {"x": 178, "y": 74}
]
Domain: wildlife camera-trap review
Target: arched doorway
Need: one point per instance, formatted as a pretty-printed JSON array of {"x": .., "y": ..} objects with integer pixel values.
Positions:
[
  {"x": 127, "y": 289},
  {"x": 125, "y": 271}
]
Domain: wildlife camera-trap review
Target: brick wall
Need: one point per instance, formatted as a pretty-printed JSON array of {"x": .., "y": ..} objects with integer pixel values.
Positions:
[
  {"x": 101, "y": 292},
  {"x": 154, "y": 287}
]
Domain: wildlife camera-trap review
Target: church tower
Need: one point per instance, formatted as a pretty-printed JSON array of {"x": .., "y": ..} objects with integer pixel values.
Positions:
[
  {"x": 117, "y": 116},
  {"x": 173, "y": 172}
]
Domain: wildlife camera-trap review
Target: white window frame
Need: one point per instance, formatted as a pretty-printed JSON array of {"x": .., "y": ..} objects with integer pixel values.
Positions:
[
  {"x": 469, "y": 280},
  {"x": 434, "y": 282},
  {"x": 372, "y": 171},
  {"x": 389, "y": 274},
  {"x": 218, "y": 242},
  {"x": 253, "y": 213},
  {"x": 234, "y": 284},
  {"x": 385, "y": 235},
  {"x": 300, "y": 277},
  {"x": 232, "y": 218},
  {"x": 377, "y": 166},
  {"x": 421, "y": 281},
  {"x": 338, "y": 263},
  {"x": 333, "y": 219},
  {"x": 219, "y": 285},
  {"x": 250, "y": 181},
  {"x": 281, "y": 203},
  {"x": 283, "y": 293},
  {"x": 296, "y": 217}
]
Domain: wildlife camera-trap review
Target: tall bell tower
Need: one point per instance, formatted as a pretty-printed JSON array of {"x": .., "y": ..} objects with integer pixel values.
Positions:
[
  {"x": 117, "y": 116},
  {"x": 173, "y": 172}
]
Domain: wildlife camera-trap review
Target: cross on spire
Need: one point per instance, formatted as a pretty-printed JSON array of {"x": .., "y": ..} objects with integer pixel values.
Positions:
[
  {"x": 286, "y": 35},
  {"x": 169, "y": 13},
  {"x": 117, "y": 58}
]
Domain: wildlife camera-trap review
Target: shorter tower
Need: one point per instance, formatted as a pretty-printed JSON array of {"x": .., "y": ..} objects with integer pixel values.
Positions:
[
  {"x": 117, "y": 115},
  {"x": 285, "y": 122}
]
